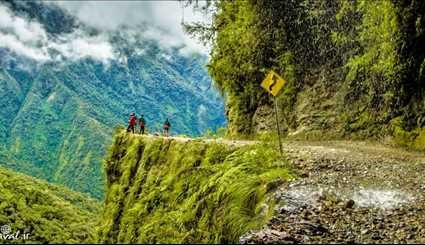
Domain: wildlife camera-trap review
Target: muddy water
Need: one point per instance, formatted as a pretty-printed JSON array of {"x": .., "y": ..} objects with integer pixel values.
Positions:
[
  {"x": 363, "y": 197},
  {"x": 386, "y": 199}
]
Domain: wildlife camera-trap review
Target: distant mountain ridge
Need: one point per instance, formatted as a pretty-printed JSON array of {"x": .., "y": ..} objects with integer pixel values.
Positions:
[{"x": 57, "y": 117}]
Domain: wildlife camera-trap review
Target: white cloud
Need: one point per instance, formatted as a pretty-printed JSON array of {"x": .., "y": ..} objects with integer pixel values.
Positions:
[
  {"x": 78, "y": 46},
  {"x": 15, "y": 45},
  {"x": 156, "y": 20},
  {"x": 30, "y": 39},
  {"x": 163, "y": 19},
  {"x": 20, "y": 36},
  {"x": 25, "y": 31}
]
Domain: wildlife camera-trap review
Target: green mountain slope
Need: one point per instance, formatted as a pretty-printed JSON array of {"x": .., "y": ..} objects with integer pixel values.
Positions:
[
  {"x": 48, "y": 213},
  {"x": 56, "y": 120},
  {"x": 57, "y": 116}
]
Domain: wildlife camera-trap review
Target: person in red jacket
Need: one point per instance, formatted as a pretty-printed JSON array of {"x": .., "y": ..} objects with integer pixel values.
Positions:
[{"x": 132, "y": 122}]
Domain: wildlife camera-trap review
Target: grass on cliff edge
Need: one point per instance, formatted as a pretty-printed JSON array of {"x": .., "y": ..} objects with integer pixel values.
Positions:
[{"x": 162, "y": 191}]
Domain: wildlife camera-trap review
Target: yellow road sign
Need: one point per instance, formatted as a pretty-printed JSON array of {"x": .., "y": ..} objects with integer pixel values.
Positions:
[{"x": 273, "y": 83}]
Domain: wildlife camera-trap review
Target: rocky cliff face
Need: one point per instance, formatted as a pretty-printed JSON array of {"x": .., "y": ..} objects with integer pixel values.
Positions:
[{"x": 354, "y": 68}]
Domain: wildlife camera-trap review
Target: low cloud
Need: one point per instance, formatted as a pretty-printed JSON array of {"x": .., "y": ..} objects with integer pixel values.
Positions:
[
  {"x": 163, "y": 19},
  {"x": 30, "y": 39},
  {"x": 14, "y": 44},
  {"x": 78, "y": 45},
  {"x": 159, "y": 21},
  {"x": 22, "y": 37}
]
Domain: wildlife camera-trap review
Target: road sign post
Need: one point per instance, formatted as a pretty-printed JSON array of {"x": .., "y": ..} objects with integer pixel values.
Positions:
[
  {"x": 273, "y": 83},
  {"x": 279, "y": 134}
]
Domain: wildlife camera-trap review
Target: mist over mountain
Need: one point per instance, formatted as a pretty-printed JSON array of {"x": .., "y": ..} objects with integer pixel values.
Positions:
[{"x": 64, "y": 86}]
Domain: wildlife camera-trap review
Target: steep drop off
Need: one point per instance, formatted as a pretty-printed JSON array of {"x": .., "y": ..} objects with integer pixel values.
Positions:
[
  {"x": 48, "y": 213},
  {"x": 56, "y": 117},
  {"x": 165, "y": 191}
]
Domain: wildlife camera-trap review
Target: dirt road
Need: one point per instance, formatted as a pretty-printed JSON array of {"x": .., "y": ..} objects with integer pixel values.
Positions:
[
  {"x": 355, "y": 192},
  {"x": 348, "y": 192},
  {"x": 187, "y": 139}
]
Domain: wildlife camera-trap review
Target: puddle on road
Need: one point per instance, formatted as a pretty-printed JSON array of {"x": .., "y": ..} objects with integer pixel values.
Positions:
[
  {"x": 366, "y": 198},
  {"x": 301, "y": 196},
  {"x": 386, "y": 199},
  {"x": 328, "y": 149}
]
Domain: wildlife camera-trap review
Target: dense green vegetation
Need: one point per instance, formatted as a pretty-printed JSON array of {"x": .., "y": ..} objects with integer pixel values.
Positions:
[
  {"x": 56, "y": 118},
  {"x": 48, "y": 213},
  {"x": 55, "y": 125},
  {"x": 164, "y": 191},
  {"x": 354, "y": 68}
]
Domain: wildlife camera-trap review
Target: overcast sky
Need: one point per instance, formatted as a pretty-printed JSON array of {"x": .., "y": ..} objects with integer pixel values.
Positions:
[
  {"x": 29, "y": 38},
  {"x": 166, "y": 15}
]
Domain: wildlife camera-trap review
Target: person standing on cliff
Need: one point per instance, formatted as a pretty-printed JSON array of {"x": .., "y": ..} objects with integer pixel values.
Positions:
[
  {"x": 131, "y": 122},
  {"x": 142, "y": 124},
  {"x": 166, "y": 127}
]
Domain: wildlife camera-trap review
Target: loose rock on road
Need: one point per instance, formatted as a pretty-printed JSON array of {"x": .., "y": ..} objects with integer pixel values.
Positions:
[{"x": 353, "y": 192}]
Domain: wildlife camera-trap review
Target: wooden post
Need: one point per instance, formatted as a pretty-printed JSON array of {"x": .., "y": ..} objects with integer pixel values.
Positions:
[{"x": 278, "y": 126}]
